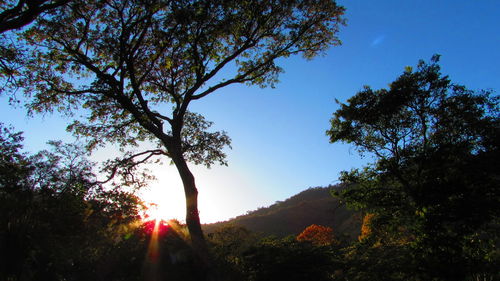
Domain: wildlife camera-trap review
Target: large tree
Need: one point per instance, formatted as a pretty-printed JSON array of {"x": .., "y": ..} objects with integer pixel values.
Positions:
[
  {"x": 435, "y": 183},
  {"x": 131, "y": 68}
]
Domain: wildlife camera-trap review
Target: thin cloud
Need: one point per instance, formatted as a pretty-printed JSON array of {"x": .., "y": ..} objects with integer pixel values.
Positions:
[{"x": 377, "y": 41}]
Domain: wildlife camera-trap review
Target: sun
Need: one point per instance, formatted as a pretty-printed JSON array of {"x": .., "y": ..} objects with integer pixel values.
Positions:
[
  {"x": 164, "y": 197},
  {"x": 162, "y": 204},
  {"x": 153, "y": 212}
]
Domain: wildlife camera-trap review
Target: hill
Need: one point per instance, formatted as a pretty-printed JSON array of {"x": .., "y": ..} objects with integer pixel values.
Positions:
[{"x": 290, "y": 217}]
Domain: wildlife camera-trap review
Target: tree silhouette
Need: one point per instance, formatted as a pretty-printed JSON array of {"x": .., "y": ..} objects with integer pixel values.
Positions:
[
  {"x": 435, "y": 180},
  {"x": 288, "y": 259},
  {"x": 132, "y": 68},
  {"x": 56, "y": 223}
]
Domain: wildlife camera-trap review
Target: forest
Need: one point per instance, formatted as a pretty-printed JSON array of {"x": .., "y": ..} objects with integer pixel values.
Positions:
[{"x": 126, "y": 73}]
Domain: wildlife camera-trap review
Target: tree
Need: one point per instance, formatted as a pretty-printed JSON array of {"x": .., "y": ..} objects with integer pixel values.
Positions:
[
  {"x": 56, "y": 223},
  {"x": 318, "y": 235},
  {"x": 435, "y": 179},
  {"x": 288, "y": 259},
  {"x": 132, "y": 68},
  {"x": 229, "y": 245}
]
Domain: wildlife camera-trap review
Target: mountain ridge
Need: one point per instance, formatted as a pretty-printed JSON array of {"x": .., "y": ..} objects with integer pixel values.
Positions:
[{"x": 314, "y": 205}]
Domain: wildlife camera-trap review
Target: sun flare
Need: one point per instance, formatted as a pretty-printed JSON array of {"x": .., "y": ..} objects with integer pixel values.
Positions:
[
  {"x": 153, "y": 212},
  {"x": 160, "y": 207},
  {"x": 164, "y": 198},
  {"x": 218, "y": 199}
]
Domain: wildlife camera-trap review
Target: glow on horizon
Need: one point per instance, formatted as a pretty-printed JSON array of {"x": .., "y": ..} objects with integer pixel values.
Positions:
[{"x": 223, "y": 193}]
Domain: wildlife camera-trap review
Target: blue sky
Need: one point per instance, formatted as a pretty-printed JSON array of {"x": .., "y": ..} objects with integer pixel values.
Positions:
[{"x": 279, "y": 142}]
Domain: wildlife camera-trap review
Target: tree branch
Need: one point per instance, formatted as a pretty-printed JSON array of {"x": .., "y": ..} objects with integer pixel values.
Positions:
[
  {"x": 25, "y": 12},
  {"x": 119, "y": 163}
]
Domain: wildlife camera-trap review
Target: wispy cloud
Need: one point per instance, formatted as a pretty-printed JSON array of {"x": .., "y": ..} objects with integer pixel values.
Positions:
[{"x": 378, "y": 40}]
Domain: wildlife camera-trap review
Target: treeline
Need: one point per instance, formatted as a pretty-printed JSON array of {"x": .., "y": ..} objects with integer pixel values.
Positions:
[{"x": 57, "y": 222}]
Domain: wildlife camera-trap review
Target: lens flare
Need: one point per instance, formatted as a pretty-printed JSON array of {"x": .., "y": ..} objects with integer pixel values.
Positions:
[{"x": 157, "y": 229}]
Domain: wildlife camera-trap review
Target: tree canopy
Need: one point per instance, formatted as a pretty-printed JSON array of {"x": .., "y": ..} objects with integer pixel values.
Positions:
[
  {"x": 56, "y": 222},
  {"x": 317, "y": 234},
  {"x": 16, "y": 14},
  {"x": 131, "y": 68},
  {"x": 435, "y": 180},
  {"x": 136, "y": 65}
]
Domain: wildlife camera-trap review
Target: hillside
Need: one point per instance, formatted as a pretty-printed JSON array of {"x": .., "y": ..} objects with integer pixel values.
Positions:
[{"x": 292, "y": 216}]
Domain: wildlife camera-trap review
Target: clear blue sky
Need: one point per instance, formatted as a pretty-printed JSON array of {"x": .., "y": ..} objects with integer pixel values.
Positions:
[{"x": 279, "y": 142}]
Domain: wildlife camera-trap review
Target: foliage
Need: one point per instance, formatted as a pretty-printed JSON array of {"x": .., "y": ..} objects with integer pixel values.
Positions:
[
  {"x": 367, "y": 226},
  {"x": 56, "y": 223},
  {"x": 364, "y": 261},
  {"x": 318, "y": 235},
  {"x": 229, "y": 244},
  {"x": 435, "y": 181},
  {"x": 16, "y": 14},
  {"x": 136, "y": 59},
  {"x": 288, "y": 259}
]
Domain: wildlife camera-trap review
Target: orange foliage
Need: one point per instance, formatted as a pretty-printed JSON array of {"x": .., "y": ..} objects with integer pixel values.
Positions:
[
  {"x": 318, "y": 235},
  {"x": 366, "y": 228}
]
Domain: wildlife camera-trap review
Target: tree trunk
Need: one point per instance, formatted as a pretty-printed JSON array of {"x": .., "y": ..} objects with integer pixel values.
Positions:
[{"x": 199, "y": 245}]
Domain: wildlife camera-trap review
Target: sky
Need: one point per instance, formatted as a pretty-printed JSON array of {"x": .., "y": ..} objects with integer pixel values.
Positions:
[{"x": 279, "y": 145}]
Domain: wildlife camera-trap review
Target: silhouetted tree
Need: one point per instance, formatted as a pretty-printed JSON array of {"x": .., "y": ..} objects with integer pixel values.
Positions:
[
  {"x": 436, "y": 176},
  {"x": 56, "y": 223},
  {"x": 134, "y": 67},
  {"x": 288, "y": 259},
  {"x": 229, "y": 244}
]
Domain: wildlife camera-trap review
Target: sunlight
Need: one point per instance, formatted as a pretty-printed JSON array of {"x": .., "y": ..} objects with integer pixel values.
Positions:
[
  {"x": 164, "y": 198},
  {"x": 154, "y": 213},
  {"x": 218, "y": 198},
  {"x": 153, "y": 248},
  {"x": 152, "y": 263}
]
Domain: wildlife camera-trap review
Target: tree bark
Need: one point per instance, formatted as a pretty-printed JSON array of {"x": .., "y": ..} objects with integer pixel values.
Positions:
[{"x": 199, "y": 245}]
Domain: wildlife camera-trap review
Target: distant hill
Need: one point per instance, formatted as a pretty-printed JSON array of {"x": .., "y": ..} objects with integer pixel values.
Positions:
[{"x": 292, "y": 216}]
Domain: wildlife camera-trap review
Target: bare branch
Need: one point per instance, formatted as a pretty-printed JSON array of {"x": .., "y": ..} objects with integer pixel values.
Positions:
[{"x": 129, "y": 163}]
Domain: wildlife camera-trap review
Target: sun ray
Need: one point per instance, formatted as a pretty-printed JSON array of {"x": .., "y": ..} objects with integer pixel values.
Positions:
[{"x": 152, "y": 262}]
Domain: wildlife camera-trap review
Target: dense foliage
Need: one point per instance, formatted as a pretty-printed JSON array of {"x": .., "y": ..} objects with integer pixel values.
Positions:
[
  {"x": 249, "y": 256},
  {"x": 56, "y": 223},
  {"x": 318, "y": 235},
  {"x": 433, "y": 192}
]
